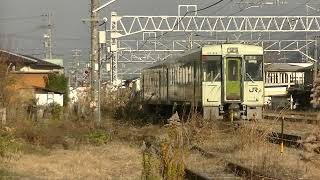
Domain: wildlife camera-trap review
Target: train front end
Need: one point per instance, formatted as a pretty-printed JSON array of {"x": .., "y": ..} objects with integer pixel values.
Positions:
[{"x": 233, "y": 81}]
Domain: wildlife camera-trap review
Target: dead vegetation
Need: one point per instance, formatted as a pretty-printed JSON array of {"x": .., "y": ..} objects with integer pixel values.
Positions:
[
  {"x": 250, "y": 148},
  {"x": 66, "y": 143},
  {"x": 55, "y": 143},
  {"x": 112, "y": 161},
  {"x": 166, "y": 159}
]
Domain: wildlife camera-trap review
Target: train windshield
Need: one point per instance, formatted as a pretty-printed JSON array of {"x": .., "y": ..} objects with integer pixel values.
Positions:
[
  {"x": 254, "y": 68},
  {"x": 211, "y": 68}
]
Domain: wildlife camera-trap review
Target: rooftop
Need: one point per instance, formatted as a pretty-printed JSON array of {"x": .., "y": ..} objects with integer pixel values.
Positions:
[
  {"x": 288, "y": 67},
  {"x": 10, "y": 57}
]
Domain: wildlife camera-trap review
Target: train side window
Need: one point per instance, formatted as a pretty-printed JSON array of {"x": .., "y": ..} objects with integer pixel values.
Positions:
[
  {"x": 170, "y": 76},
  {"x": 185, "y": 75},
  {"x": 179, "y": 75},
  {"x": 182, "y": 75},
  {"x": 173, "y": 76},
  {"x": 190, "y": 74}
]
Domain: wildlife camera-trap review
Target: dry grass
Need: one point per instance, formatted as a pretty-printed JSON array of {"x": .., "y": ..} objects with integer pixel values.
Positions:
[
  {"x": 296, "y": 128},
  {"x": 168, "y": 161},
  {"x": 248, "y": 147},
  {"x": 213, "y": 167},
  {"x": 111, "y": 161}
]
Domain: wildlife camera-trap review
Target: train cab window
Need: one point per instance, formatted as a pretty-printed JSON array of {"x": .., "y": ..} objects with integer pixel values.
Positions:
[
  {"x": 211, "y": 68},
  {"x": 254, "y": 68}
]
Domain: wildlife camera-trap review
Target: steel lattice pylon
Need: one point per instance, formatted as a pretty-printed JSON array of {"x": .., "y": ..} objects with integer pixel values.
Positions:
[
  {"x": 129, "y": 25},
  {"x": 124, "y": 26},
  {"x": 130, "y": 48}
]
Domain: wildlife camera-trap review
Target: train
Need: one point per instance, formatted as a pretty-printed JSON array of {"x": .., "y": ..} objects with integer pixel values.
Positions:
[{"x": 220, "y": 80}]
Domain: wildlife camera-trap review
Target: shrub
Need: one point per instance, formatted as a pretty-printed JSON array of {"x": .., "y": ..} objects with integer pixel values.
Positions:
[
  {"x": 7, "y": 143},
  {"x": 97, "y": 137},
  {"x": 55, "y": 110}
]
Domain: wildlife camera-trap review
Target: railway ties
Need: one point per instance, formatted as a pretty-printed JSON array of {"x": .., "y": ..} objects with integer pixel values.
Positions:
[
  {"x": 288, "y": 139},
  {"x": 306, "y": 117},
  {"x": 193, "y": 175},
  {"x": 237, "y": 170}
]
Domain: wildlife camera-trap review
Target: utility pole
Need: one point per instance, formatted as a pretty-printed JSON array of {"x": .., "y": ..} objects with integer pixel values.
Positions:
[
  {"x": 307, "y": 20},
  {"x": 190, "y": 40},
  {"x": 76, "y": 57},
  {"x": 94, "y": 58},
  {"x": 315, "y": 65},
  {"x": 48, "y": 37}
]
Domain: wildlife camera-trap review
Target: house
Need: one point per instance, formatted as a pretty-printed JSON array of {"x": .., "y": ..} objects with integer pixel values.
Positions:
[
  {"x": 281, "y": 78},
  {"x": 45, "y": 96},
  {"x": 30, "y": 76}
]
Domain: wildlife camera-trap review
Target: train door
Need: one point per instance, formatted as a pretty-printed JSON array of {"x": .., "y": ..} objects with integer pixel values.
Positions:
[{"x": 233, "y": 79}]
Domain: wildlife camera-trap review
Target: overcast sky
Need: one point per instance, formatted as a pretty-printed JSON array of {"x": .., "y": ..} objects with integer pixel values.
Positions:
[{"x": 22, "y": 24}]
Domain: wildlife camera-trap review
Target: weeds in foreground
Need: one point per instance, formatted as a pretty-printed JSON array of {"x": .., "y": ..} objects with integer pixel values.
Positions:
[
  {"x": 168, "y": 162},
  {"x": 6, "y": 143}
]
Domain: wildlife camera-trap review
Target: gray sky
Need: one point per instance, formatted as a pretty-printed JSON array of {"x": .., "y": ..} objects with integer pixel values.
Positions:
[{"x": 22, "y": 24}]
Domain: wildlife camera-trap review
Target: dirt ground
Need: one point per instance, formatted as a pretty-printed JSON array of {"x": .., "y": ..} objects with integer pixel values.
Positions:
[{"x": 112, "y": 161}]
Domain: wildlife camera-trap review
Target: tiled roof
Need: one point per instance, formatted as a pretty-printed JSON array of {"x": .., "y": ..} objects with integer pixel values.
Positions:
[
  {"x": 26, "y": 59},
  {"x": 41, "y": 62},
  {"x": 286, "y": 67}
]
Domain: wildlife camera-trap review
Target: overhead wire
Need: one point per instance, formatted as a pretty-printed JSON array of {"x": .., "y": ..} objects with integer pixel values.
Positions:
[
  {"x": 289, "y": 11},
  {"x": 230, "y": 1},
  {"x": 18, "y": 18},
  {"x": 178, "y": 22}
]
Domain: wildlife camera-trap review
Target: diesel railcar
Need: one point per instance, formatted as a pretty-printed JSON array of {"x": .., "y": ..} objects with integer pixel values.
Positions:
[{"x": 219, "y": 78}]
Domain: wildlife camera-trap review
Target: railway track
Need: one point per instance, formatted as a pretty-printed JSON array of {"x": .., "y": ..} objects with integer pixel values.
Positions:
[
  {"x": 190, "y": 174},
  {"x": 288, "y": 139},
  {"x": 236, "y": 169},
  {"x": 307, "y": 117}
]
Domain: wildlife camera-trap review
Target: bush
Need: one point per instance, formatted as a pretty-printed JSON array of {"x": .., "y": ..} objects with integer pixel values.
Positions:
[
  {"x": 59, "y": 83},
  {"x": 7, "y": 143},
  {"x": 98, "y": 137},
  {"x": 55, "y": 110}
]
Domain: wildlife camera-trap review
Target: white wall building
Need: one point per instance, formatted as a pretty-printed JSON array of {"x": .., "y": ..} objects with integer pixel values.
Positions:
[{"x": 45, "y": 97}]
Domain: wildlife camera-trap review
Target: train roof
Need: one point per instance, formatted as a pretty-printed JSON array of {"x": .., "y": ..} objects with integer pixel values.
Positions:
[{"x": 253, "y": 49}]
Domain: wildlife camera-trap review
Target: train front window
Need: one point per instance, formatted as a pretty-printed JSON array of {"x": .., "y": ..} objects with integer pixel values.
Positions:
[
  {"x": 211, "y": 68},
  {"x": 254, "y": 68}
]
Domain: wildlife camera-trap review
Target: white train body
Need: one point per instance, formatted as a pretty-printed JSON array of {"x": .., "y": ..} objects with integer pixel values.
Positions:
[{"x": 217, "y": 78}]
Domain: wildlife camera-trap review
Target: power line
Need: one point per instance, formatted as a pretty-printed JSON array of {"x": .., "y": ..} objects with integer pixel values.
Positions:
[
  {"x": 223, "y": 6},
  {"x": 178, "y": 22},
  {"x": 292, "y": 10},
  {"x": 18, "y": 18}
]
